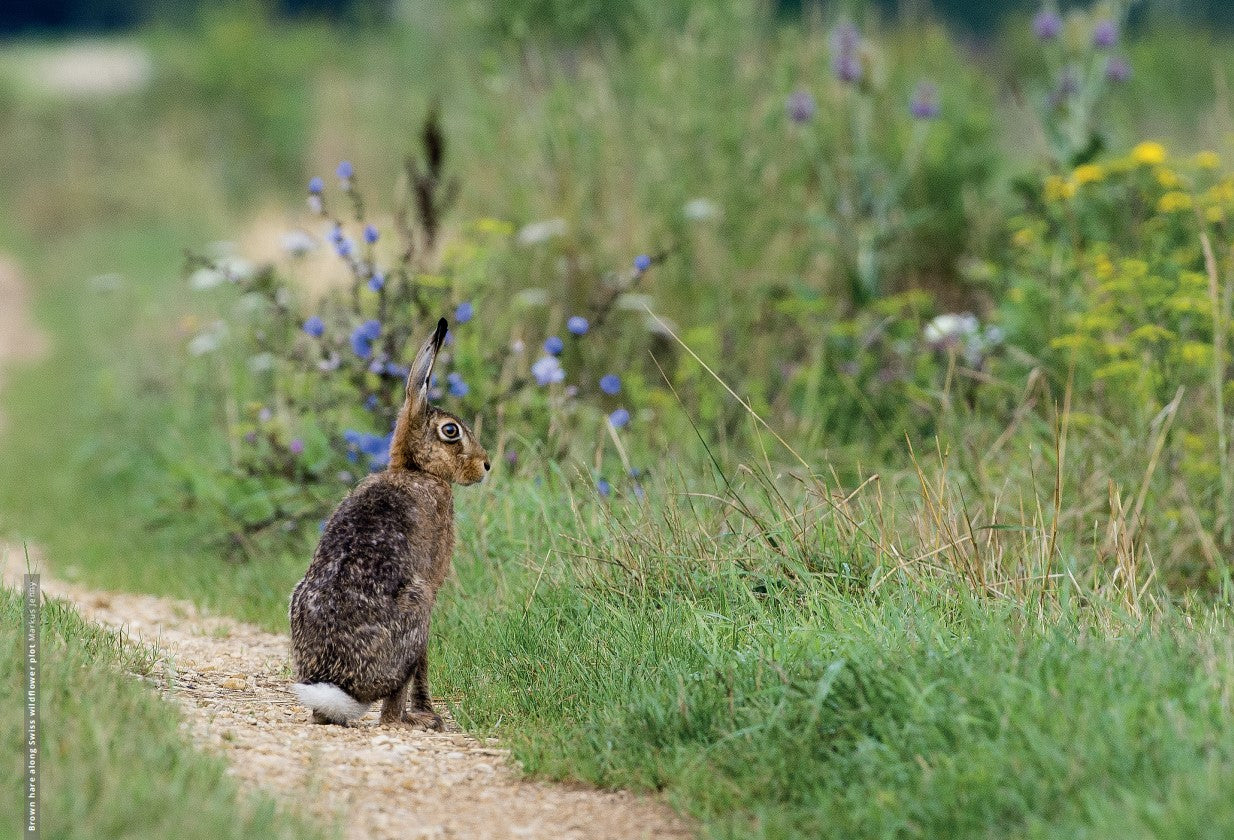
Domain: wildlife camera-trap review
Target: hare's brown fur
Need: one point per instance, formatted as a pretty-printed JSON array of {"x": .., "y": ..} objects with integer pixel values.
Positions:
[{"x": 360, "y": 617}]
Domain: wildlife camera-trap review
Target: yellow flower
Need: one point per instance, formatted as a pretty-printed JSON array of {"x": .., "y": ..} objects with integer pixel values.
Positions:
[
  {"x": 1023, "y": 237},
  {"x": 1114, "y": 370},
  {"x": 1167, "y": 178},
  {"x": 1173, "y": 202},
  {"x": 1207, "y": 160},
  {"x": 1214, "y": 214},
  {"x": 1103, "y": 267},
  {"x": 1196, "y": 353},
  {"x": 1087, "y": 173},
  {"x": 497, "y": 227},
  {"x": 1056, "y": 189},
  {"x": 1151, "y": 333},
  {"x": 1148, "y": 153}
]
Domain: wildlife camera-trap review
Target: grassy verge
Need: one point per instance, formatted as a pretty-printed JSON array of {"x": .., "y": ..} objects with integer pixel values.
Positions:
[{"x": 114, "y": 761}]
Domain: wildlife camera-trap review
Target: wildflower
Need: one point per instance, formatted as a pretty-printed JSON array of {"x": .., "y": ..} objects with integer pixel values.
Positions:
[
  {"x": 371, "y": 234},
  {"x": 250, "y": 437},
  {"x": 578, "y": 325},
  {"x": 699, "y": 209},
  {"x": 344, "y": 170},
  {"x": 344, "y": 246},
  {"x": 206, "y": 278},
  {"x": 619, "y": 418},
  {"x": 396, "y": 370},
  {"x": 1207, "y": 160},
  {"x": 845, "y": 46},
  {"x": 1148, "y": 153},
  {"x": 554, "y": 345},
  {"x": 641, "y": 263},
  {"x": 296, "y": 447},
  {"x": 950, "y": 329},
  {"x": 314, "y": 326},
  {"x": 604, "y": 488},
  {"x": 456, "y": 386},
  {"x": 511, "y": 457},
  {"x": 610, "y": 384},
  {"x": 924, "y": 104},
  {"x": 1087, "y": 173},
  {"x": 463, "y": 312},
  {"x": 1105, "y": 34},
  {"x": 363, "y": 336},
  {"x": 316, "y": 185},
  {"x": 330, "y": 363},
  {"x": 1047, "y": 25},
  {"x": 538, "y": 232},
  {"x": 377, "y": 282},
  {"x": 1117, "y": 70},
  {"x": 265, "y": 415},
  {"x": 547, "y": 370},
  {"x": 1173, "y": 202},
  {"x": 370, "y": 402},
  {"x": 1058, "y": 189},
  {"x": 298, "y": 243},
  {"x": 800, "y": 106}
]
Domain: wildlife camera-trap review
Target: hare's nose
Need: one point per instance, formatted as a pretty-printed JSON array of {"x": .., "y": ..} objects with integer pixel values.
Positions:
[{"x": 487, "y": 466}]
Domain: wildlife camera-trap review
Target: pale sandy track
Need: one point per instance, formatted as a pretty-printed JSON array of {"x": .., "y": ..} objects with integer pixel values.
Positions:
[{"x": 231, "y": 682}]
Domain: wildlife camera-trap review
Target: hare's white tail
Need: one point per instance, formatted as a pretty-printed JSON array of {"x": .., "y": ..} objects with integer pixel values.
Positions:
[{"x": 330, "y": 701}]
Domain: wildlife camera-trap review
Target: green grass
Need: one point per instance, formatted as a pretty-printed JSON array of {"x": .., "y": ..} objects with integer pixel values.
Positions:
[{"x": 113, "y": 760}]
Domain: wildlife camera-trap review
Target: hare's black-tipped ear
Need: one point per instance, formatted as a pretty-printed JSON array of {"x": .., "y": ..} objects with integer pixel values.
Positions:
[{"x": 421, "y": 372}]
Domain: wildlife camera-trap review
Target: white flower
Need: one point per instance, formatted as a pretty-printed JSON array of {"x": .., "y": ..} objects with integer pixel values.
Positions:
[
  {"x": 298, "y": 243},
  {"x": 547, "y": 370},
  {"x": 700, "y": 209},
  {"x": 951, "y": 328},
  {"x": 261, "y": 362},
  {"x": 208, "y": 340},
  {"x": 538, "y": 232},
  {"x": 206, "y": 278}
]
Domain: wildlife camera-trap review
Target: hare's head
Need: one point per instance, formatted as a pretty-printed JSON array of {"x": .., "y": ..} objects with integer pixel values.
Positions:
[{"x": 429, "y": 439}]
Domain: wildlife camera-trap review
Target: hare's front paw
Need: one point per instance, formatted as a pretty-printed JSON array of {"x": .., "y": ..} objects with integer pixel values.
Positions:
[{"x": 427, "y": 720}]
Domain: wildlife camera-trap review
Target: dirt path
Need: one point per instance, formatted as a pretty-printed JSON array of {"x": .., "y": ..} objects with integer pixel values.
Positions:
[{"x": 231, "y": 681}]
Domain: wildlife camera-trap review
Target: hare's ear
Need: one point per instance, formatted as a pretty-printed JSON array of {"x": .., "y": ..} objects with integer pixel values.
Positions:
[{"x": 421, "y": 372}]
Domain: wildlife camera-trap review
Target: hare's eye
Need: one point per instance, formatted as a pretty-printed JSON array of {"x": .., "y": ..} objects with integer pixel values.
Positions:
[{"x": 449, "y": 432}]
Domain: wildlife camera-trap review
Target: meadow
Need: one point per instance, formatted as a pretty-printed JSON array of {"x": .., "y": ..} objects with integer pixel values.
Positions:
[{"x": 857, "y": 392}]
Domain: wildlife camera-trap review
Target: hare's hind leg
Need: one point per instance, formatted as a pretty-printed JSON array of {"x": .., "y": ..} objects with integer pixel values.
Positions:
[{"x": 422, "y": 713}]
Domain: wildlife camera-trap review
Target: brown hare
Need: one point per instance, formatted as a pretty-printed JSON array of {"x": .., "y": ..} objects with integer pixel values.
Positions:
[{"x": 360, "y": 616}]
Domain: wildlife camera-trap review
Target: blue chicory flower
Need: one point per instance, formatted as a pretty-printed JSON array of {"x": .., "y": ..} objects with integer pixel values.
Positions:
[
  {"x": 314, "y": 326},
  {"x": 377, "y": 282},
  {"x": 554, "y": 345},
  {"x": 370, "y": 234},
  {"x": 619, "y": 418},
  {"x": 610, "y": 383},
  {"x": 463, "y": 312},
  {"x": 316, "y": 185},
  {"x": 642, "y": 262},
  {"x": 604, "y": 488},
  {"x": 344, "y": 170},
  {"x": 456, "y": 386},
  {"x": 578, "y": 325}
]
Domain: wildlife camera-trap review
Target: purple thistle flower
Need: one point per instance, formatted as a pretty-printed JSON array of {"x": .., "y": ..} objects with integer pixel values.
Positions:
[
  {"x": 578, "y": 325},
  {"x": 547, "y": 370},
  {"x": 371, "y": 234},
  {"x": 610, "y": 384},
  {"x": 344, "y": 170},
  {"x": 1117, "y": 70},
  {"x": 296, "y": 447},
  {"x": 641, "y": 263},
  {"x": 1047, "y": 25},
  {"x": 604, "y": 488},
  {"x": 377, "y": 282},
  {"x": 619, "y": 418},
  {"x": 314, "y": 326},
  {"x": 1105, "y": 34},
  {"x": 846, "y": 58},
  {"x": 800, "y": 107},
  {"x": 924, "y": 104},
  {"x": 463, "y": 312},
  {"x": 554, "y": 345},
  {"x": 316, "y": 185},
  {"x": 456, "y": 386}
]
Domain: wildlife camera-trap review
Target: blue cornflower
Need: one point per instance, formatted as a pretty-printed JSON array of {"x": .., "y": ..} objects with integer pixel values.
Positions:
[
  {"x": 642, "y": 262},
  {"x": 316, "y": 185},
  {"x": 456, "y": 386},
  {"x": 610, "y": 383},
  {"x": 547, "y": 370},
  {"x": 314, "y": 326},
  {"x": 578, "y": 325},
  {"x": 463, "y": 312},
  {"x": 344, "y": 170},
  {"x": 370, "y": 234},
  {"x": 619, "y": 418},
  {"x": 377, "y": 281},
  {"x": 604, "y": 488},
  {"x": 554, "y": 345}
]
